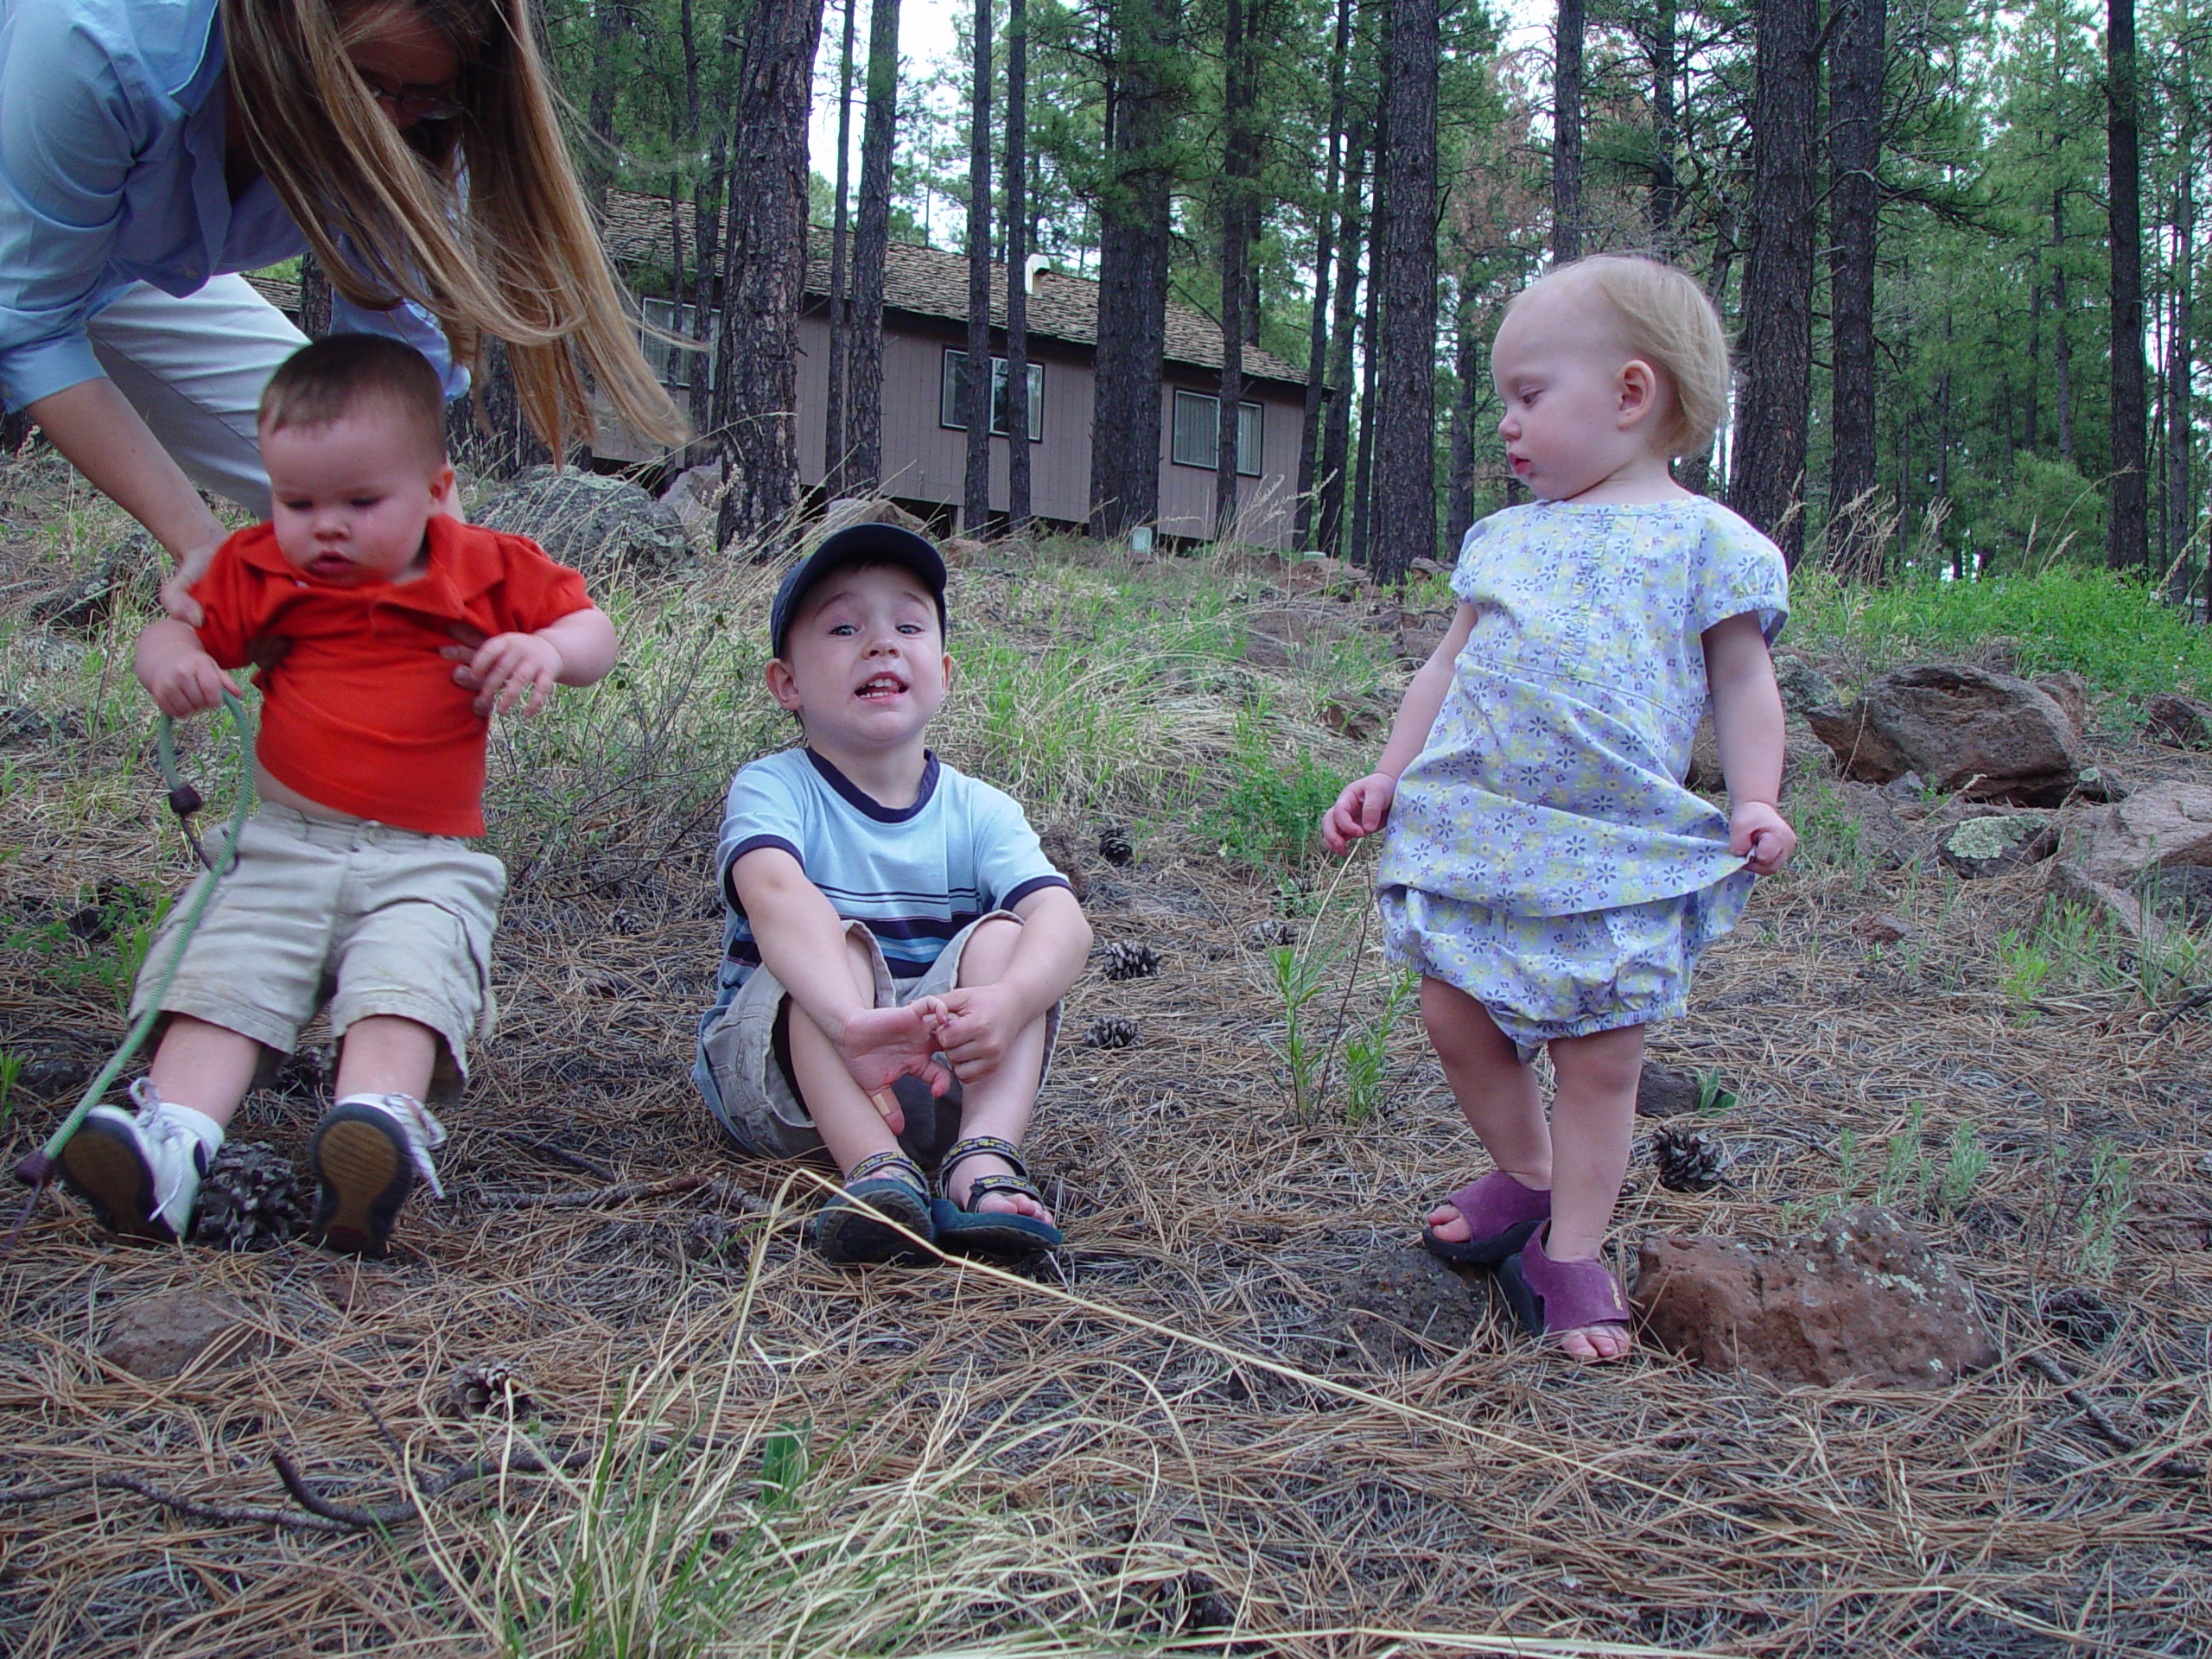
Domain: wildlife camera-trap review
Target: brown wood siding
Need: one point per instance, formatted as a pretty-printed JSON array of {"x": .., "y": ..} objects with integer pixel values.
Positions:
[
  {"x": 925, "y": 462},
  {"x": 1265, "y": 515}
]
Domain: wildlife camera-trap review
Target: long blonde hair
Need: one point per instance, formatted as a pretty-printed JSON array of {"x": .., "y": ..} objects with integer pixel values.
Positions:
[{"x": 383, "y": 208}]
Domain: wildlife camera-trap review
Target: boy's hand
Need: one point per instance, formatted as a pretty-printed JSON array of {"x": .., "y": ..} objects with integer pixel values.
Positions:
[
  {"x": 880, "y": 1045},
  {"x": 510, "y": 673},
  {"x": 971, "y": 1026},
  {"x": 1763, "y": 836},
  {"x": 1362, "y": 810}
]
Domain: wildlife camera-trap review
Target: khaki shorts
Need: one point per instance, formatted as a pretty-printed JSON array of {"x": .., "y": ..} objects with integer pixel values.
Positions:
[
  {"x": 367, "y": 918},
  {"x": 744, "y": 1065}
]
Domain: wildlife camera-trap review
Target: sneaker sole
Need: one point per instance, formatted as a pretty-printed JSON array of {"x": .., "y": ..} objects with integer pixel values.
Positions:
[
  {"x": 102, "y": 1166},
  {"x": 363, "y": 1175}
]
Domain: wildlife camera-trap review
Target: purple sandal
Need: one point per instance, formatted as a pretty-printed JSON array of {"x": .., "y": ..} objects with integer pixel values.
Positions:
[
  {"x": 1500, "y": 1213},
  {"x": 1548, "y": 1296}
]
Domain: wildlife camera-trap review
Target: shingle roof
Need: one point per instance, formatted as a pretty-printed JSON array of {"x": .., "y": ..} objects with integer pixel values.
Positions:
[{"x": 932, "y": 283}]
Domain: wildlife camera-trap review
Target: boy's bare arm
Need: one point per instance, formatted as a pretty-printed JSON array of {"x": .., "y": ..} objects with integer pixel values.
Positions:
[
  {"x": 1747, "y": 725},
  {"x": 975, "y": 1024},
  {"x": 176, "y": 669},
  {"x": 802, "y": 942}
]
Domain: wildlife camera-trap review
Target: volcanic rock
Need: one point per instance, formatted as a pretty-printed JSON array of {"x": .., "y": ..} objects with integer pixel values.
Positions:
[
  {"x": 593, "y": 523},
  {"x": 2108, "y": 858},
  {"x": 159, "y": 1336},
  {"x": 1865, "y": 1301},
  {"x": 1997, "y": 845},
  {"x": 1990, "y": 736},
  {"x": 2184, "y": 722}
]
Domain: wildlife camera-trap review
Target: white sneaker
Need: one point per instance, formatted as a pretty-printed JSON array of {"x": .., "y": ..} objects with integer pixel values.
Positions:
[
  {"x": 367, "y": 1152},
  {"x": 140, "y": 1174}
]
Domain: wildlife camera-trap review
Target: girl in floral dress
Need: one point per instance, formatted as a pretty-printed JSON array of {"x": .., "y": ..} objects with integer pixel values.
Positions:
[{"x": 1544, "y": 870}]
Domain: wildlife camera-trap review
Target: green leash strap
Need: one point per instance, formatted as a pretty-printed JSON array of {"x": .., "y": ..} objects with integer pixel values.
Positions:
[{"x": 37, "y": 1168}]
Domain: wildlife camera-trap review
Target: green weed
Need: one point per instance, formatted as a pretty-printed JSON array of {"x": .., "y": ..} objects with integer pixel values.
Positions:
[
  {"x": 1271, "y": 812},
  {"x": 11, "y": 1067},
  {"x": 1299, "y": 977},
  {"x": 1367, "y": 1055},
  {"x": 1905, "y": 1170},
  {"x": 2023, "y": 967},
  {"x": 2112, "y": 1180},
  {"x": 1966, "y": 1162}
]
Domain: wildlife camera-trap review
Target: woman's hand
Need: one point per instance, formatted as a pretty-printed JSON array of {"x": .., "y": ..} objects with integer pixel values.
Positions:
[
  {"x": 1363, "y": 808},
  {"x": 176, "y": 593}
]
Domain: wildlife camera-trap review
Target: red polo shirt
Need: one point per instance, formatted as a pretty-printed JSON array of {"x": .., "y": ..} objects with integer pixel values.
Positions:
[{"x": 362, "y": 714}]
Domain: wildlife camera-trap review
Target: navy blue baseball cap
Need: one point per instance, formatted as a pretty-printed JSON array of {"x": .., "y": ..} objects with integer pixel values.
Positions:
[{"x": 869, "y": 544}]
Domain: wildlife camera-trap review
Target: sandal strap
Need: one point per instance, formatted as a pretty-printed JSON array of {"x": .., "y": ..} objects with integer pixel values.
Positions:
[
  {"x": 983, "y": 1185},
  {"x": 980, "y": 1146},
  {"x": 894, "y": 1164}
]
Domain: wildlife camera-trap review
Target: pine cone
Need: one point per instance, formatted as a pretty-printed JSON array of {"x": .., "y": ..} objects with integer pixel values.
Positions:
[
  {"x": 1114, "y": 845},
  {"x": 1111, "y": 1033},
  {"x": 488, "y": 1386},
  {"x": 249, "y": 1201},
  {"x": 1125, "y": 959},
  {"x": 1689, "y": 1161},
  {"x": 1272, "y": 934}
]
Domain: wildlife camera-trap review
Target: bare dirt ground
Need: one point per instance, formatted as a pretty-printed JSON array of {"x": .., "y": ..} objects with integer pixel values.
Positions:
[{"x": 1242, "y": 1413}]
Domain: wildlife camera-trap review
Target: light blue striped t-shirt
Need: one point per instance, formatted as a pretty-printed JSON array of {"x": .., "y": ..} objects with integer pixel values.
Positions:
[{"x": 916, "y": 875}]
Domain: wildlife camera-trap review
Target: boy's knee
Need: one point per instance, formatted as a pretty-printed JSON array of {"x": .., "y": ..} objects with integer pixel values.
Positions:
[{"x": 989, "y": 949}]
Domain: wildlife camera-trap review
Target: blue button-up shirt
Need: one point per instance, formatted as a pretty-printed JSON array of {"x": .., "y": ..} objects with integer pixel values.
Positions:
[{"x": 111, "y": 145}]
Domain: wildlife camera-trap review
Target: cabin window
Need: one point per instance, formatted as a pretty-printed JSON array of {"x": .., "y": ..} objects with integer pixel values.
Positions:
[
  {"x": 954, "y": 391},
  {"x": 1198, "y": 433},
  {"x": 673, "y": 367}
]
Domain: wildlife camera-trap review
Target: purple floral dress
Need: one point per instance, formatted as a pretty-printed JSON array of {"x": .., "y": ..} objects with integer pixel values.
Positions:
[{"x": 1542, "y": 854}]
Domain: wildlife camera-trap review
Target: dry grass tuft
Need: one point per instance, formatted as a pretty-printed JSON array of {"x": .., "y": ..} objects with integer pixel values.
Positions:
[{"x": 1241, "y": 1415}]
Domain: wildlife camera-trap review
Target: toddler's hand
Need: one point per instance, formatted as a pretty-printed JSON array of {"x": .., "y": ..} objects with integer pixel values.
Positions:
[
  {"x": 1763, "y": 836},
  {"x": 189, "y": 684},
  {"x": 507, "y": 668},
  {"x": 1359, "y": 811}
]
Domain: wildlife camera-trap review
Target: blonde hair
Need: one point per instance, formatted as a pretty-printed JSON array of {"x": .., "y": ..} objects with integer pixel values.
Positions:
[
  {"x": 329, "y": 379},
  {"x": 518, "y": 259},
  {"x": 1666, "y": 319}
]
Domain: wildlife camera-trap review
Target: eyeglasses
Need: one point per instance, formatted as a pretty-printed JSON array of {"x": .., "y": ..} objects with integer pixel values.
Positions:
[{"x": 411, "y": 102}]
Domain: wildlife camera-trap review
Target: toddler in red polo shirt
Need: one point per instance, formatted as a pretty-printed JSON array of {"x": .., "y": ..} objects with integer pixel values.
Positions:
[{"x": 354, "y": 882}]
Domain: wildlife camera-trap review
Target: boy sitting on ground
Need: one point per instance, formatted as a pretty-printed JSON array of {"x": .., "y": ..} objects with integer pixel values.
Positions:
[
  {"x": 886, "y": 918},
  {"x": 355, "y": 869}
]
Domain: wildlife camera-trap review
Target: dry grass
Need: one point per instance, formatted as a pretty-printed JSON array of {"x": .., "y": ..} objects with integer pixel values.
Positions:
[{"x": 1237, "y": 1420}]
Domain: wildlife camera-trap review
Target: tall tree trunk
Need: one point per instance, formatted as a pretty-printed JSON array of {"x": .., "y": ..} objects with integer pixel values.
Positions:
[
  {"x": 1317, "y": 351},
  {"x": 2181, "y": 345},
  {"x": 1132, "y": 249},
  {"x": 756, "y": 390},
  {"x": 2031, "y": 416},
  {"x": 707, "y": 289},
  {"x": 1855, "y": 152},
  {"x": 1235, "y": 197},
  {"x": 2126, "y": 527},
  {"x": 1360, "y": 528},
  {"x": 975, "y": 495},
  {"x": 871, "y": 241},
  {"x": 1567, "y": 133},
  {"x": 833, "y": 414},
  {"x": 1017, "y": 268},
  {"x": 314, "y": 296},
  {"x": 1335, "y": 470},
  {"x": 1460, "y": 474},
  {"x": 1666, "y": 127},
  {"x": 1771, "y": 421},
  {"x": 2061, "y": 345},
  {"x": 1405, "y": 458},
  {"x": 609, "y": 18}
]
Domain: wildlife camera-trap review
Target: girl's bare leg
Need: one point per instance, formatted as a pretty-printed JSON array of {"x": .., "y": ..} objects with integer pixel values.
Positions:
[
  {"x": 1497, "y": 1094},
  {"x": 1593, "y": 1121}
]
